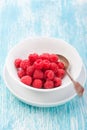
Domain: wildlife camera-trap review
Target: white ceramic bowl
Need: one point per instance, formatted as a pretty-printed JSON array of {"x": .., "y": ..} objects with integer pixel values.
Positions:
[{"x": 41, "y": 45}]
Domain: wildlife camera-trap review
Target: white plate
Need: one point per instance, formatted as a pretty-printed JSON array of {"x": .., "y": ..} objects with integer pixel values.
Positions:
[{"x": 26, "y": 97}]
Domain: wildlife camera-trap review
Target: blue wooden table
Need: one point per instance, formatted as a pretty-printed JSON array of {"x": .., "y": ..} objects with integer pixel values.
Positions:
[{"x": 66, "y": 19}]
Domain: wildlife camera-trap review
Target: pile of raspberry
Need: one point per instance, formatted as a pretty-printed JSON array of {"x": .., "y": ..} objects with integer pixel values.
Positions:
[{"x": 43, "y": 71}]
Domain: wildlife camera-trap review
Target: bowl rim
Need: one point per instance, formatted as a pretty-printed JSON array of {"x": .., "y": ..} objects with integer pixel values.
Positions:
[{"x": 36, "y": 89}]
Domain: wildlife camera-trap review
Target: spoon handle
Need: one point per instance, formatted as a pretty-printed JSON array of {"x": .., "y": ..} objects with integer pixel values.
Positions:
[{"x": 78, "y": 87}]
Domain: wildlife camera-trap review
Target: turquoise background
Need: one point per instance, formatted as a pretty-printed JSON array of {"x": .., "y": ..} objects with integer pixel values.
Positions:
[{"x": 66, "y": 19}]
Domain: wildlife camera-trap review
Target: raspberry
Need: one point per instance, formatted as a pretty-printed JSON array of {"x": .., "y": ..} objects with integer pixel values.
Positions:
[
  {"x": 49, "y": 74},
  {"x": 54, "y": 67},
  {"x": 57, "y": 81},
  {"x": 38, "y": 74},
  {"x": 38, "y": 64},
  {"x": 17, "y": 62},
  {"x": 37, "y": 83},
  {"x": 53, "y": 58},
  {"x": 45, "y": 56},
  {"x": 61, "y": 65},
  {"x": 48, "y": 84},
  {"x": 33, "y": 57},
  {"x": 30, "y": 70},
  {"x": 46, "y": 64},
  {"x": 26, "y": 80},
  {"x": 40, "y": 71},
  {"x": 21, "y": 73},
  {"x": 24, "y": 64},
  {"x": 60, "y": 73}
]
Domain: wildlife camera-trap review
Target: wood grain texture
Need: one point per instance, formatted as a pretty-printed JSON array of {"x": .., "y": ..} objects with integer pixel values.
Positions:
[{"x": 66, "y": 19}]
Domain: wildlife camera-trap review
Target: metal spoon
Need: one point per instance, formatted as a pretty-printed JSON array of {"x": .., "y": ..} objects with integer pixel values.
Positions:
[{"x": 78, "y": 87}]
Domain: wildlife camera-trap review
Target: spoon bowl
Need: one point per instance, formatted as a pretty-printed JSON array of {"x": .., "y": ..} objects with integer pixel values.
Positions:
[{"x": 64, "y": 60}]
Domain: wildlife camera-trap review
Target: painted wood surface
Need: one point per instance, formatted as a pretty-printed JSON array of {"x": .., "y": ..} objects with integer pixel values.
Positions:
[{"x": 66, "y": 19}]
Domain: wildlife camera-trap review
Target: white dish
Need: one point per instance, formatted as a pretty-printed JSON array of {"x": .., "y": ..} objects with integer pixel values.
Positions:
[
  {"x": 26, "y": 96},
  {"x": 43, "y": 97}
]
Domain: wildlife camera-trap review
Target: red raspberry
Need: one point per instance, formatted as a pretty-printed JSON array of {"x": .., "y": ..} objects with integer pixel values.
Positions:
[
  {"x": 17, "y": 62},
  {"x": 61, "y": 65},
  {"x": 54, "y": 67},
  {"x": 26, "y": 80},
  {"x": 53, "y": 58},
  {"x": 46, "y": 64},
  {"x": 43, "y": 70},
  {"x": 33, "y": 57},
  {"x": 38, "y": 64},
  {"x": 21, "y": 73},
  {"x": 37, "y": 83},
  {"x": 60, "y": 73},
  {"x": 48, "y": 84},
  {"x": 38, "y": 74},
  {"x": 49, "y": 74},
  {"x": 24, "y": 64},
  {"x": 45, "y": 56},
  {"x": 57, "y": 81},
  {"x": 30, "y": 70}
]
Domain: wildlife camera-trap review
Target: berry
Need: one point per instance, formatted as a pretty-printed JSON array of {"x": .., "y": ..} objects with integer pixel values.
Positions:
[
  {"x": 24, "y": 64},
  {"x": 33, "y": 57},
  {"x": 40, "y": 71},
  {"x": 57, "y": 81},
  {"x": 49, "y": 74},
  {"x": 21, "y": 73},
  {"x": 60, "y": 73},
  {"x": 30, "y": 70},
  {"x": 38, "y": 74},
  {"x": 48, "y": 84},
  {"x": 26, "y": 80},
  {"x": 17, "y": 62},
  {"x": 37, "y": 83},
  {"x": 53, "y": 58},
  {"x": 45, "y": 56},
  {"x": 54, "y": 67},
  {"x": 46, "y": 64},
  {"x": 61, "y": 65},
  {"x": 38, "y": 64}
]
